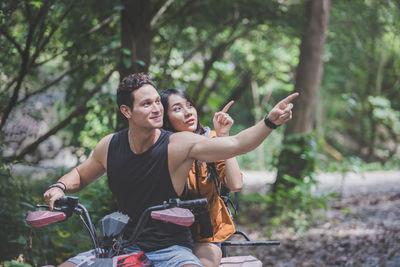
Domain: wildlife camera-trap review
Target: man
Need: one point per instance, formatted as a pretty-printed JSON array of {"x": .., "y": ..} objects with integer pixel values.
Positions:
[{"x": 146, "y": 165}]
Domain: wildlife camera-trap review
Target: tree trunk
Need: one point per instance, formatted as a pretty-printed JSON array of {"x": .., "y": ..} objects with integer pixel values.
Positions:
[
  {"x": 136, "y": 38},
  {"x": 257, "y": 117},
  {"x": 293, "y": 160},
  {"x": 309, "y": 70}
]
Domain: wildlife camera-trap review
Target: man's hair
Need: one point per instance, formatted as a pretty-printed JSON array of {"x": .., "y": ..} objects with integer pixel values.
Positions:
[{"x": 129, "y": 84}]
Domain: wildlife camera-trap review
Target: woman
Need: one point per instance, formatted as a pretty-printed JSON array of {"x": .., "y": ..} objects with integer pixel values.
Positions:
[{"x": 181, "y": 115}]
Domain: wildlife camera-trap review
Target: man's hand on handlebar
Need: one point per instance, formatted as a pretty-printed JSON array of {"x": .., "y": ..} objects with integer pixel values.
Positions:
[{"x": 51, "y": 195}]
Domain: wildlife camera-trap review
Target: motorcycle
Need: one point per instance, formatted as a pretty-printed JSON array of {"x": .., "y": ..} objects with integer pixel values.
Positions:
[{"x": 109, "y": 250}]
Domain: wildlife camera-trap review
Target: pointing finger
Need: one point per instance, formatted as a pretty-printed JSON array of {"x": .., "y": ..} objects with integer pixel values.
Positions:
[
  {"x": 283, "y": 103},
  {"x": 227, "y": 106},
  {"x": 290, "y": 98}
]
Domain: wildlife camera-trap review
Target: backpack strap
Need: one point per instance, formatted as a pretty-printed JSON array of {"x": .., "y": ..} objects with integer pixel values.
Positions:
[
  {"x": 196, "y": 170},
  {"x": 185, "y": 193},
  {"x": 222, "y": 190}
]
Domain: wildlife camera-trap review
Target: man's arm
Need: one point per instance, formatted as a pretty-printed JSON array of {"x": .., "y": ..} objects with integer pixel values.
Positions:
[
  {"x": 211, "y": 150},
  {"x": 81, "y": 176},
  {"x": 184, "y": 147}
]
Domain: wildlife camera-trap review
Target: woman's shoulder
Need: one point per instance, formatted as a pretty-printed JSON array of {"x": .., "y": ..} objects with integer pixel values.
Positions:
[
  {"x": 212, "y": 134},
  {"x": 209, "y": 133}
]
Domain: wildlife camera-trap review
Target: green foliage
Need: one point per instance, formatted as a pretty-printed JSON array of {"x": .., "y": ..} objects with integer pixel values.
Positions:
[
  {"x": 270, "y": 148},
  {"x": 14, "y": 263},
  {"x": 55, "y": 50},
  {"x": 50, "y": 244},
  {"x": 360, "y": 71},
  {"x": 212, "y": 55},
  {"x": 293, "y": 202},
  {"x": 348, "y": 164},
  {"x": 215, "y": 50},
  {"x": 384, "y": 113},
  {"x": 98, "y": 199},
  {"x": 297, "y": 158},
  {"x": 100, "y": 122},
  {"x": 296, "y": 207},
  {"x": 212, "y": 50},
  {"x": 12, "y": 212}
]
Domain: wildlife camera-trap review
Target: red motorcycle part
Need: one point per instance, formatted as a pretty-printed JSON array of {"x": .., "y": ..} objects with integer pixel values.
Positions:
[
  {"x": 240, "y": 261},
  {"x": 178, "y": 216},
  {"x": 43, "y": 217},
  {"x": 136, "y": 259}
]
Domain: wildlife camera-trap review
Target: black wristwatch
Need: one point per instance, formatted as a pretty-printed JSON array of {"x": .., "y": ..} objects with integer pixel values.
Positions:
[{"x": 269, "y": 123}]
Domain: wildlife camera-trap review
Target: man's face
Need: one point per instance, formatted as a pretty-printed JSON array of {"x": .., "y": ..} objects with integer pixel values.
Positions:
[{"x": 147, "y": 108}]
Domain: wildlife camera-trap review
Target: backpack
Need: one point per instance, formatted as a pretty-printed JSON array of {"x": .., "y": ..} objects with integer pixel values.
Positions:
[{"x": 222, "y": 190}]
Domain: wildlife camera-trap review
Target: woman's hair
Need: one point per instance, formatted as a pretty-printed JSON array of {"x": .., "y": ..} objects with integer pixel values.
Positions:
[{"x": 165, "y": 102}]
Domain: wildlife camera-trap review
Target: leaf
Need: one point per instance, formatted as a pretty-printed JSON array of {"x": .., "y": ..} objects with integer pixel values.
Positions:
[
  {"x": 127, "y": 62},
  {"x": 126, "y": 51},
  {"x": 140, "y": 62},
  {"x": 37, "y": 4},
  {"x": 20, "y": 240},
  {"x": 119, "y": 7},
  {"x": 379, "y": 101},
  {"x": 63, "y": 235},
  {"x": 293, "y": 180}
]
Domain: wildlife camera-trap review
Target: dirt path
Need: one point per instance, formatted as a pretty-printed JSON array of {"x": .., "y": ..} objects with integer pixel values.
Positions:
[
  {"x": 258, "y": 181},
  {"x": 362, "y": 229}
]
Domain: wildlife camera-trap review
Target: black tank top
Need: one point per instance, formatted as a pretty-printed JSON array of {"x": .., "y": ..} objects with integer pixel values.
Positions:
[{"x": 141, "y": 180}]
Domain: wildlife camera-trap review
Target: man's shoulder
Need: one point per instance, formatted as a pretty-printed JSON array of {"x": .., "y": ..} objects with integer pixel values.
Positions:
[
  {"x": 101, "y": 150},
  {"x": 104, "y": 142},
  {"x": 120, "y": 135},
  {"x": 106, "y": 139}
]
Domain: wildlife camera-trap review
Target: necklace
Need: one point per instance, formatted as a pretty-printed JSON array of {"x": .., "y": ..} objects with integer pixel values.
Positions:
[{"x": 130, "y": 141}]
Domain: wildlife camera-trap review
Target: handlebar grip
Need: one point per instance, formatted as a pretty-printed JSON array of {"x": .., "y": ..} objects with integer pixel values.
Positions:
[
  {"x": 193, "y": 203},
  {"x": 67, "y": 204},
  {"x": 61, "y": 201}
]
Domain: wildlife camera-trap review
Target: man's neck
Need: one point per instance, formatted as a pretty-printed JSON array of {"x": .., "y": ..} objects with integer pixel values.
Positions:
[{"x": 141, "y": 140}]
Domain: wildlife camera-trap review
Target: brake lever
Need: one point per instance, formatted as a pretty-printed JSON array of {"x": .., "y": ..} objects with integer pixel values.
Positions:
[{"x": 47, "y": 207}]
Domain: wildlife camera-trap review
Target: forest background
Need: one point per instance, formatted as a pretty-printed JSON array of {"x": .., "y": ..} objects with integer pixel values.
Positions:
[{"x": 61, "y": 62}]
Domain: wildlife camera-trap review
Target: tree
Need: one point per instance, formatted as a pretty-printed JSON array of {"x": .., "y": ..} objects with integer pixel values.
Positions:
[
  {"x": 44, "y": 57},
  {"x": 360, "y": 95},
  {"x": 77, "y": 61},
  {"x": 193, "y": 37},
  {"x": 296, "y": 158}
]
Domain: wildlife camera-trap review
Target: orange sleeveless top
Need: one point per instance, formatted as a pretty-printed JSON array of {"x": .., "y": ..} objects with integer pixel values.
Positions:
[{"x": 221, "y": 221}]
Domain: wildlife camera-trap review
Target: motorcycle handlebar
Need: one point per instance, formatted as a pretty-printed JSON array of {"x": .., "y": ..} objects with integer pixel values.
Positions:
[
  {"x": 61, "y": 201},
  {"x": 70, "y": 204},
  {"x": 172, "y": 203},
  {"x": 66, "y": 204},
  {"x": 193, "y": 203}
]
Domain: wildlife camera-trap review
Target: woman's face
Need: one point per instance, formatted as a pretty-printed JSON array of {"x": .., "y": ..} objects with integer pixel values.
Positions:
[{"x": 182, "y": 115}]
